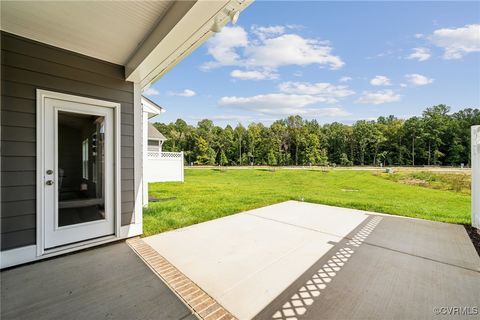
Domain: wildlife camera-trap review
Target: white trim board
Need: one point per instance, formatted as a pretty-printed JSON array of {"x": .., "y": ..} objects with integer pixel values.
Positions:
[
  {"x": 138, "y": 159},
  {"x": 144, "y": 158},
  {"x": 14, "y": 257},
  {"x": 150, "y": 107}
]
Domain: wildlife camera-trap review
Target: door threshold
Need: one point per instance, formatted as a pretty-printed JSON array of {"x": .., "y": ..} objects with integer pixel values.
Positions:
[{"x": 79, "y": 245}]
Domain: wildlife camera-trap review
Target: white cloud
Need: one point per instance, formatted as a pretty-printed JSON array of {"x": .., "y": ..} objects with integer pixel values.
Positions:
[
  {"x": 418, "y": 79},
  {"x": 222, "y": 47},
  {"x": 151, "y": 92},
  {"x": 265, "y": 32},
  {"x": 325, "y": 90},
  {"x": 280, "y": 104},
  {"x": 345, "y": 79},
  {"x": 230, "y": 118},
  {"x": 254, "y": 75},
  {"x": 270, "y": 48},
  {"x": 380, "y": 81},
  {"x": 457, "y": 42},
  {"x": 291, "y": 49},
  {"x": 384, "y": 54},
  {"x": 224, "y": 117},
  {"x": 278, "y": 100},
  {"x": 419, "y": 35},
  {"x": 325, "y": 112},
  {"x": 420, "y": 54},
  {"x": 378, "y": 97},
  {"x": 184, "y": 93}
]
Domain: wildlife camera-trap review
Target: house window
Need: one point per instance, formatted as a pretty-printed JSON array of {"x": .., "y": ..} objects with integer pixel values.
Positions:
[
  {"x": 85, "y": 159},
  {"x": 153, "y": 143}
]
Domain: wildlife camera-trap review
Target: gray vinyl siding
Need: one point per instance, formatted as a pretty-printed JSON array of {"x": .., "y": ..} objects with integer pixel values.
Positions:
[{"x": 26, "y": 66}]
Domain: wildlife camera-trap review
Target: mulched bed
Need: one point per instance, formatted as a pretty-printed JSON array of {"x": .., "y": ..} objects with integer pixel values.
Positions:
[{"x": 474, "y": 234}]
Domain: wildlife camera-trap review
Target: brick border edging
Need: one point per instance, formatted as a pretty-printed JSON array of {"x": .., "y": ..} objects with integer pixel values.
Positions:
[{"x": 202, "y": 304}]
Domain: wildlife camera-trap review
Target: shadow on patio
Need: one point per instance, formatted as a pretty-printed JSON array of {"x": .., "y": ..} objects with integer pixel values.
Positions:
[
  {"x": 376, "y": 272},
  {"x": 298, "y": 304}
]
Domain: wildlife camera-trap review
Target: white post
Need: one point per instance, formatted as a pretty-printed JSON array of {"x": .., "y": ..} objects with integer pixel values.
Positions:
[
  {"x": 145, "y": 158},
  {"x": 138, "y": 154},
  {"x": 182, "y": 168},
  {"x": 475, "y": 164}
]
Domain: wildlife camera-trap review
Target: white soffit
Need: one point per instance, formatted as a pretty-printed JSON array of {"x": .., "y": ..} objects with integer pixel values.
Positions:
[
  {"x": 169, "y": 43},
  {"x": 106, "y": 30}
]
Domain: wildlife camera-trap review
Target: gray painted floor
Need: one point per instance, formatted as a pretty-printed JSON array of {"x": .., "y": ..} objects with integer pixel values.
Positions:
[{"x": 109, "y": 282}]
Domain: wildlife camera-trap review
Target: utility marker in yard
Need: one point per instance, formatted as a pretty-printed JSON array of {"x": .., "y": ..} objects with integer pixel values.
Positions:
[{"x": 476, "y": 176}]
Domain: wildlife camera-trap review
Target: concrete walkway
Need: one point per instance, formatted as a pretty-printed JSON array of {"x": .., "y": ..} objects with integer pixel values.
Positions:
[
  {"x": 297, "y": 260},
  {"x": 108, "y": 282}
]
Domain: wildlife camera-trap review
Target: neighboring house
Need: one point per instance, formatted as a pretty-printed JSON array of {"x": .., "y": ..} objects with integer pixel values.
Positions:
[
  {"x": 155, "y": 139},
  {"x": 152, "y": 137},
  {"x": 72, "y": 130},
  {"x": 159, "y": 166}
]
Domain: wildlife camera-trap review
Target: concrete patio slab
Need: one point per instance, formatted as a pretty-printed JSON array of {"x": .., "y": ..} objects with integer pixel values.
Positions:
[
  {"x": 241, "y": 254},
  {"x": 110, "y": 282},
  {"x": 254, "y": 262},
  {"x": 444, "y": 242},
  {"x": 326, "y": 219}
]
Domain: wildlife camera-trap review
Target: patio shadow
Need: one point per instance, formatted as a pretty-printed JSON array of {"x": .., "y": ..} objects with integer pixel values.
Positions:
[
  {"x": 386, "y": 268},
  {"x": 304, "y": 297}
]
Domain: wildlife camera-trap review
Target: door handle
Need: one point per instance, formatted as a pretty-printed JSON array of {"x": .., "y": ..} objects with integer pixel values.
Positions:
[{"x": 49, "y": 182}]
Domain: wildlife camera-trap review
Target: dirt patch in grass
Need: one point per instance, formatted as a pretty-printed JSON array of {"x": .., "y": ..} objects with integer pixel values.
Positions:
[
  {"x": 414, "y": 182},
  {"x": 456, "y": 182},
  {"x": 155, "y": 199}
]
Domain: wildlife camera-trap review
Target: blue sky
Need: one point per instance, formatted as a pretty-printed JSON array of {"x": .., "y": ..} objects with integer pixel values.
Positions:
[{"x": 332, "y": 61}]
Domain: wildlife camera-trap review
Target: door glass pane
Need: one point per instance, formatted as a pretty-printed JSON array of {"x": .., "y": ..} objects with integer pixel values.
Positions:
[{"x": 81, "y": 194}]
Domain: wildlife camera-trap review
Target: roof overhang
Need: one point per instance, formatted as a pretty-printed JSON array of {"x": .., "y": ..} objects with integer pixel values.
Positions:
[
  {"x": 151, "y": 108},
  {"x": 154, "y": 134},
  {"x": 106, "y": 30},
  {"x": 186, "y": 26},
  {"x": 147, "y": 37}
]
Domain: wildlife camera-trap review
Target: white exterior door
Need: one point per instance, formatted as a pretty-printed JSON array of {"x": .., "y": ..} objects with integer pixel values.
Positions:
[{"x": 78, "y": 172}]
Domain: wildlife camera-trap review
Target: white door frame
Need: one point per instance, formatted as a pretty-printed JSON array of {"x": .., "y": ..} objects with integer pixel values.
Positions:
[{"x": 41, "y": 96}]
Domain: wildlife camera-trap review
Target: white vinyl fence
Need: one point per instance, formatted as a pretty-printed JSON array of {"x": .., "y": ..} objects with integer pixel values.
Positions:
[
  {"x": 476, "y": 176},
  {"x": 164, "y": 166}
]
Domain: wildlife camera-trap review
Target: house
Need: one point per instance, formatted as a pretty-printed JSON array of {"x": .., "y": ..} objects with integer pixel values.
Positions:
[
  {"x": 72, "y": 141},
  {"x": 155, "y": 139},
  {"x": 159, "y": 166}
]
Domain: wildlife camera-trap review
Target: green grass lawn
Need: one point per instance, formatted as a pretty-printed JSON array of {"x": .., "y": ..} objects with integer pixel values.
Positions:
[{"x": 207, "y": 194}]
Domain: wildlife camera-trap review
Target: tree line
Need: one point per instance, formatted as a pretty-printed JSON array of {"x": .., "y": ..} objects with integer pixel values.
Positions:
[{"x": 438, "y": 137}]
